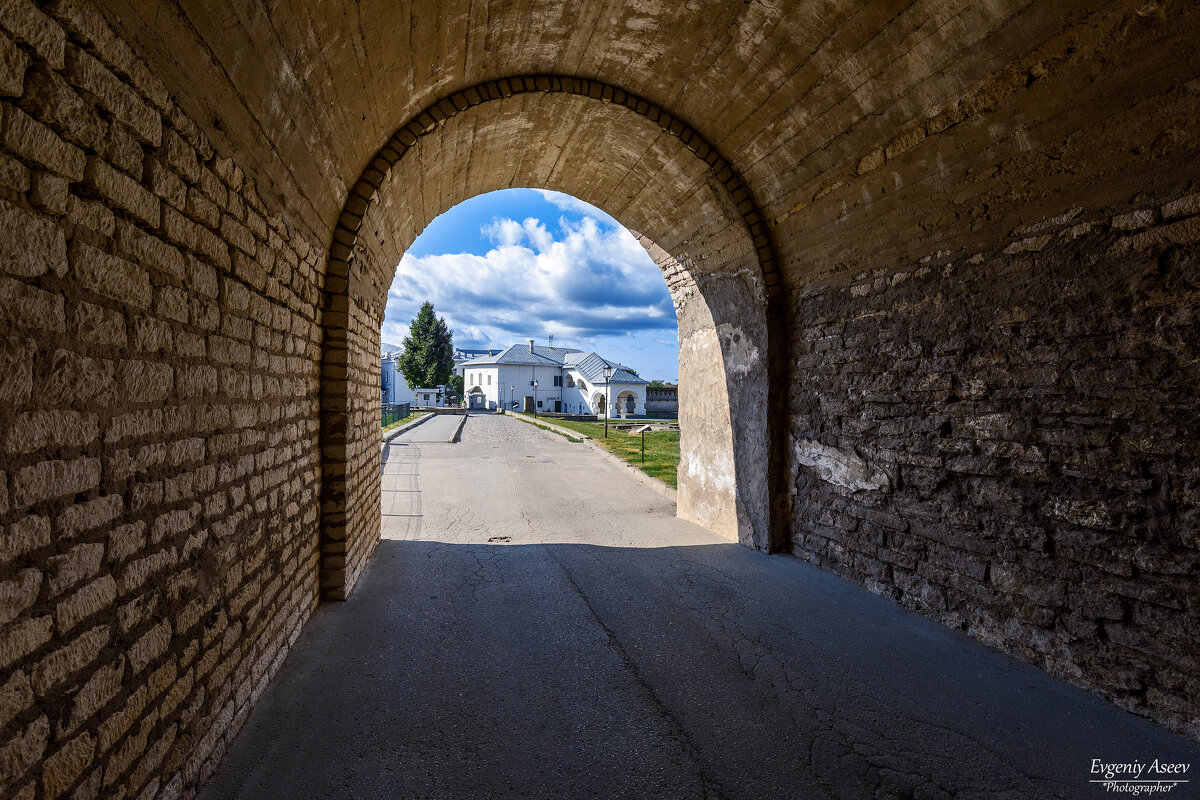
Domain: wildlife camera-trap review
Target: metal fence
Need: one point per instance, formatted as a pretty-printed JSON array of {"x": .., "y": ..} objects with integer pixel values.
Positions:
[{"x": 394, "y": 413}]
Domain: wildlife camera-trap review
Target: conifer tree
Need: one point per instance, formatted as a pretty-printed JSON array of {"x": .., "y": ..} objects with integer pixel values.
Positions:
[{"x": 428, "y": 356}]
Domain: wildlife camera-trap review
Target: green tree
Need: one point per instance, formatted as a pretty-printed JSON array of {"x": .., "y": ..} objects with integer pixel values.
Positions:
[
  {"x": 456, "y": 385},
  {"x": 656, "y": 384},
  {"x": 428, "y": 356}
]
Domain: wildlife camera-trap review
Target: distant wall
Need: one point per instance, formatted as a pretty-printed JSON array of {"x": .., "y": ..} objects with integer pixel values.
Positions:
[{"x": 662, "y": 402}]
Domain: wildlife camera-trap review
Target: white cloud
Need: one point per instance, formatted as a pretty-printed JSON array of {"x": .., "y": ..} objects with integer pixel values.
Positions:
[
  {"x": 568, "y": 203},
  {"x": 592, "y": 280}
]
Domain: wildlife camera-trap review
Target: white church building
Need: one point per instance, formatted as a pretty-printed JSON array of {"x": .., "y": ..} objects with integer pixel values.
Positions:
[{"x": 553, "y": 379}]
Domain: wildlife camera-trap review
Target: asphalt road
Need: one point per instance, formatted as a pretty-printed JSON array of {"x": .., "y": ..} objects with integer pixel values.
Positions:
[
  {"x": 438, "y": 428},
  {"x": 537, "y": 624}
]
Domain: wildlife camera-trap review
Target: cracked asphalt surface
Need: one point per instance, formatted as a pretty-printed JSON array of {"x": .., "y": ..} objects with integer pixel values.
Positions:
[{"x": 537, "y": 624}]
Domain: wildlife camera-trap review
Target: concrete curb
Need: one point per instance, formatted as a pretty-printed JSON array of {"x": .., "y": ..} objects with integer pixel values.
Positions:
[
  {"x": 650, "y": 481},
  {"x": 462, "y": 420},
  {"x": 394, "y": 432}
]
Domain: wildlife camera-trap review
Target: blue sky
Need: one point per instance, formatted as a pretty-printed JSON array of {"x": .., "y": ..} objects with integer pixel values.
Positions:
[{"x": 520, "y": 264}]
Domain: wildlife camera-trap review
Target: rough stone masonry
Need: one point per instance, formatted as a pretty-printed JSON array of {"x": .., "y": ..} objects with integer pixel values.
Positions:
[{"x": 936, "y": 264}]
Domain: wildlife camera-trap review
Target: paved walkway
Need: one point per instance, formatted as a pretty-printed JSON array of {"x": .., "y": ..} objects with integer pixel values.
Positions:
[
  {"x": 440, "y": 428},
  {"x": 537, "y": 624}
]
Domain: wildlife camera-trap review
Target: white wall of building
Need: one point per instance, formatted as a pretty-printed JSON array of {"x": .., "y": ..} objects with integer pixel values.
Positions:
[
  {"x": 575, "y": 395},
  {"x": 394, "y": 388},
  {"x": 430, "y": 396}
]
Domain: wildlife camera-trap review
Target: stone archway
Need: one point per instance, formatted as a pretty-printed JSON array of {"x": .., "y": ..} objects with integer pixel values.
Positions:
[
  {"x": 625, "y": 403},
  {"x": 942, "y": 191},
  {"x": 647, "y": 169}
]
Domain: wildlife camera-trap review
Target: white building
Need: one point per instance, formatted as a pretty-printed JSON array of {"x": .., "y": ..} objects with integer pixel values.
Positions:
[
  {"x": 394, "y": 388},
  {"x": 553, "y": 379},
  {"x": 431, "y": 396}
]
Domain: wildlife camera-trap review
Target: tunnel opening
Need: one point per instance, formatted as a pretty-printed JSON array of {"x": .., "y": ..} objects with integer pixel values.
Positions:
[
  {"x": 655, "y": 176},
  {"x": 953, "y": 204},
  {"x": 534, "y": 285}
]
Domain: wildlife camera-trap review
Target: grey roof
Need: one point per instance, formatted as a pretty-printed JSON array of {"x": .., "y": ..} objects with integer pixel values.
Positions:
[
  {"x": 589, "y": 365},
  {"x": 521, "y": 354}
]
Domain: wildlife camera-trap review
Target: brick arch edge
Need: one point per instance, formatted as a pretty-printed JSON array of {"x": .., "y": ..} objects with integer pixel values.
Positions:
[{"x": 335, "y": 580}]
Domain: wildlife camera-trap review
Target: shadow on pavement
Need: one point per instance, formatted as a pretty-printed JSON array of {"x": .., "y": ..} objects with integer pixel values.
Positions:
[{"x": 578, "y": 671}]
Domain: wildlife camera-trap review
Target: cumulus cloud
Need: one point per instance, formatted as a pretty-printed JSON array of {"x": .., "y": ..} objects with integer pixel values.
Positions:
[
  {"x": 568, "y": 203},
  {"x": 589, "y": 278}
]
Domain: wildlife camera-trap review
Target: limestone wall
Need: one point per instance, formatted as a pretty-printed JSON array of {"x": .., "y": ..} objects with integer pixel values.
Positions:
[
  {"x": 158, "y": 421},
  {"x": 994, "y": 380},
  {"x": 1014, "y": 452},
  {"x": 350, "y": 437}
]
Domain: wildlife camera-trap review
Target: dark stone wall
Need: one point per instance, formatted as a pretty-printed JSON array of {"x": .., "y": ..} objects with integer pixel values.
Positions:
[{"x": 1010, "y": 443}]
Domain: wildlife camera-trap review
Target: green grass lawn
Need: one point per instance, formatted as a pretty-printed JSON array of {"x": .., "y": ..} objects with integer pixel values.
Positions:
[
  {"x": 571, "y": 439},
  {"x": 407, "y": 419},
  {"x": 662, "y": 447}
]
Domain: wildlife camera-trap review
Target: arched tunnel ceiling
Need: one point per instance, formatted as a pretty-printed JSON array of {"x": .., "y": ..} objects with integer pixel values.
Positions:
[
  {"x": 864, "y": 131},
  {"x": 637, "y": 172},
  {"x": 790, "y": 92}
]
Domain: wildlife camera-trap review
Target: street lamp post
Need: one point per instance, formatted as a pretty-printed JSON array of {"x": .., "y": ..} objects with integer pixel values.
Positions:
[
  {"x": 535, "y": 398},
  {"x": 608, "y": 371},
  {"x": 511, "y": 390}
]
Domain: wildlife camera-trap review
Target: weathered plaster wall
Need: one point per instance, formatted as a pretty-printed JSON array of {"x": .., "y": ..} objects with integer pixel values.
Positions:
[{"x": 159, "y": 345}]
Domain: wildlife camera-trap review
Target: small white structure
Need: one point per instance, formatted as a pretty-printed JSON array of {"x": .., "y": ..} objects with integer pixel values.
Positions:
[
  {"x": 395, "y": 389},
  {"x": 553, "y": 379},
  {"x": 430, "y": 396}
]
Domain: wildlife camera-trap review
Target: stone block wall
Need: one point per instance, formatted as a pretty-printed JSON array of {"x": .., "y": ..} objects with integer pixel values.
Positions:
[
  {"x": 351, "y": 443},
  {"x": 356, "y": 280},
  {"x": 1001, "y": 437},
  {"x": 159, "y": 372},
  {"x": 1008, "y": 442}
]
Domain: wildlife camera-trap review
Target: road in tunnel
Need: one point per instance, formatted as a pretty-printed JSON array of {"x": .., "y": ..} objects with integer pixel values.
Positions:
[{"x": 538, "y": 624}]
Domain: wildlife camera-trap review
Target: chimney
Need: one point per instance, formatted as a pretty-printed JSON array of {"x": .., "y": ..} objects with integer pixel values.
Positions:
[{"x": 531, "y": 345}]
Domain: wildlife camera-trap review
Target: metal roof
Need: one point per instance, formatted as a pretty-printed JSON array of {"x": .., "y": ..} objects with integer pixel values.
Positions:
[
  {"x": 591, "y": 367},
  {"x": 589, "y": 364},
  {"x": 522, "y": 354}
]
